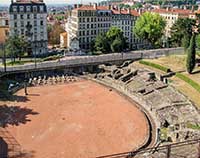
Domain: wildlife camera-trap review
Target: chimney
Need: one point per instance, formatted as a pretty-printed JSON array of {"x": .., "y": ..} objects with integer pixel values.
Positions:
[
  {"x": 109, "y": 7},
  {"x": 192, "y": 8},
  {"x": 95, "y": 5},
  {"x": 139, "y": 11},
  {"x": 198, "y": 7},
  {"x": 129, "y": 10},
  {"x": 185, "y": 7},
  {"x": 167, "y": 9},
  {"x": 75, "y": 6}
]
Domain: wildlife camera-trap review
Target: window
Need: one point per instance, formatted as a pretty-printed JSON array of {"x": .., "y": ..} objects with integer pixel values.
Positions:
[
  {"x": 21, "y": 8},
  {"x": 41, "y": 8},
  {"x": 34, "y": 8},
  {"x": 14, "y": 8},
  {"x": 28, "y": 16},
  {"x": 22, "y": 24},
  {"x": 15, "y": 24},
  {"x": 35, "y": 23},
  {"x": 35, "y": 16},
  {"x": 28, "y": 8},
  {"x": 41, "y": 23},
  {"x": 15, "y": 16},
  {"x": 22, "y": 16},
  {"x": 22, "y": 31}
]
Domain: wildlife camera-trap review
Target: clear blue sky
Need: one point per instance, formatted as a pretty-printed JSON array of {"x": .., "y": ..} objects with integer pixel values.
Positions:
[{"x": 56, "y": 1}]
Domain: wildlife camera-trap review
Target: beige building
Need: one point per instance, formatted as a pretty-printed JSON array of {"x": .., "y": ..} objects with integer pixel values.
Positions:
[
  {"x": 87, "y": 21},
  {"x": 172, "y": 15},
  {"x": 63, "y": 40},
  {"x": 4, "y": 28}
]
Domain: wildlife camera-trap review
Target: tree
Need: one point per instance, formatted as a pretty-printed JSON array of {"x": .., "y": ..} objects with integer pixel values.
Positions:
[
  {"x": 113, "y": 33},
  {"x": 16, "y": 46},
  {"x": 150, "y": 27},
  {"x": 117, "y": 45},
  {"x": 54, "y": 33},
  {"x": 136, "y": 5},
  {"x": 181, "y": 32},
  {"x": 102, "y": 43},
  {"x": 198, "y": 41},
  {"x": 191, "y": 54}
]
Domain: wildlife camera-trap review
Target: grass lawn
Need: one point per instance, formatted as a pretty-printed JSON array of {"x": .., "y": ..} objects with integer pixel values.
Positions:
[{"x": 177, "y": 63}]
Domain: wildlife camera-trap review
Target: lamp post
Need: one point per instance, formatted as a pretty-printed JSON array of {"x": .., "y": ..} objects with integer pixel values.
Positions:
[{"x": 2, "y": 47}]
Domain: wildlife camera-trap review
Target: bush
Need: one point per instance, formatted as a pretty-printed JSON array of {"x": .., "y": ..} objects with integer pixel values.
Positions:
[
  {"x": 192, "y": 83},
  {"x": 54, "y": 57},
  {"x": 157, "y": 66}
]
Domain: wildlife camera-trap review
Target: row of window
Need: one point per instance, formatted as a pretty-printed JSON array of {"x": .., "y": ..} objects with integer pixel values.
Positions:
[
  {"x": 94, "y": 19},
  {"x": 23, "y": 24},
  {"x": 28, "y": 8},
  {"x": 91, "y": 26},
  {"x": 26, "y": 16},
  {"x": 92, "y": 13}
]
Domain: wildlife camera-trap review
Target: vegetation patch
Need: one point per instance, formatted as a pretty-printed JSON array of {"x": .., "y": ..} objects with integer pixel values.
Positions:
[
  {"x": 194, "y": 84},
  {"x": 53, "y": 57},
  {"x": 193, "y": 126},
  {"x": 157, "y": 66}
]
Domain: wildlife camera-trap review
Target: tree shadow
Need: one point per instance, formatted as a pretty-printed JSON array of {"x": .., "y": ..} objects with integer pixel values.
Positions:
[
  {"x": 14, "y": 115},
  {"x": 24, "y": 154},
  {"x": 196, "y": 72},
  {"x": 9, "y": 97}
]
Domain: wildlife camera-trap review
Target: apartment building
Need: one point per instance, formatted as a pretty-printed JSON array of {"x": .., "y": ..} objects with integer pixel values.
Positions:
[
  {"x": 4, "y": 28},
  {"x": 172, "y": 15},
  {"x": 87, "y": 21},
  {"x": 28, "y": 19}
]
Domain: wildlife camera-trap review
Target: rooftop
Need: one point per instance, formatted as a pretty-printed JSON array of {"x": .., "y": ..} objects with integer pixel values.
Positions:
[{"x": 171, "y": 10}]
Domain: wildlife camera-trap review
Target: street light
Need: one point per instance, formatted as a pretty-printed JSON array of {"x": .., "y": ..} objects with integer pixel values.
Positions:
[{"x": 2, "y": 47}]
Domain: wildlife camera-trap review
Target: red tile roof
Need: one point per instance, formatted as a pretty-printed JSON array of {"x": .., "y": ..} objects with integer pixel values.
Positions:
[
  {"x": 115, "y": 11},
  {"x": 177, "y": 11}
]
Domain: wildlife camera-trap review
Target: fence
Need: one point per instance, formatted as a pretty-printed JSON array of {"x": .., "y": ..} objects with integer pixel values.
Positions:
[{"x": 92, "y": 60}]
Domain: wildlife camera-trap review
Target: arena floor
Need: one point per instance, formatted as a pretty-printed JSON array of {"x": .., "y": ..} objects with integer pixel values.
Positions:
[{"x": 77, "y": 120}]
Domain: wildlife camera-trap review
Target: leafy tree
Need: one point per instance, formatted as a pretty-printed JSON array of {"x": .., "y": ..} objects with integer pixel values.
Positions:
[
  {"x": 16, "y": 46},
  {"x": 54, "y": 34},
  {"x": 113, "y": 33},
  {"x": 191, "y": 54},
  {"x": 113, "y": 40},
  {"x": 117, "y": 45},
  {"x": 150, "y": 27},
  {"x": 181, "y": 32},
  {"x": 101, "y": 43},
  {"x": 198, "y": 41},
  {"x": 136, "y": 5}
]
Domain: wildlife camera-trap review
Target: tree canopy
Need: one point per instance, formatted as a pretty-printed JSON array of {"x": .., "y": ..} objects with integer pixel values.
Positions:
[
  {"x": 181, "y": 32},
  {"x": 150, "y": 27},
  {"x": 113, "y": 40},
  {"x": 191, "y": 55}
]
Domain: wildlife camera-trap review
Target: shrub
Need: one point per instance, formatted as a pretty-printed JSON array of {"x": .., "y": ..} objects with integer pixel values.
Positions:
[
  {"x": 192, "y": 83},
  {"x": 157, "y": 66}
]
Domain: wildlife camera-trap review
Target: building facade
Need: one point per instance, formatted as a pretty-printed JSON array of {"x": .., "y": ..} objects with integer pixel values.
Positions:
[
  {"x": 87, "y": 21},
  {"x": 4, "y": 29},
  {"x": 28, "y": 19},
  {"x": 172, "y": 15}
]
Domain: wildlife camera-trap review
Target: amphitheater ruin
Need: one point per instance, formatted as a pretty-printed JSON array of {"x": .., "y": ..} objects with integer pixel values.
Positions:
[{"x": 157, "y": 106}]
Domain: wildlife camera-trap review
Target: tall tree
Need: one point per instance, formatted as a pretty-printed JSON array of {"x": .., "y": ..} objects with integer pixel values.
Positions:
[
  {"x": 54, "y": 33},
  {"x": 191, "y": 54},
  {"x": 150, "y": 27},
  {"x": 181, "y": 32},
  {"x": 16, "y": 46},
  {"x": 102, "y": 44}
]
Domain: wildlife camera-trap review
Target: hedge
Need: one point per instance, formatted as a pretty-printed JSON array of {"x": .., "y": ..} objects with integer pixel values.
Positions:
[
  {"x": 192, "y": 83},
  {"x": 157, "y": 66}
]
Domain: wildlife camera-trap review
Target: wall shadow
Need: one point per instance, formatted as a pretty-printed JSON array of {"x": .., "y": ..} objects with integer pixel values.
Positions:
[
  {"x": 3, "y": 148},
  {"x": 14, "y": 115}
]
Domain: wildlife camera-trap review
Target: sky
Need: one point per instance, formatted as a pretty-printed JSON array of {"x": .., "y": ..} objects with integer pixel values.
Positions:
[{"x": 56, "y": 1}]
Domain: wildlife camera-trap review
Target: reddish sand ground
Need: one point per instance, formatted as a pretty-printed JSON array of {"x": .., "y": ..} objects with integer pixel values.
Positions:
[{"x": 79, "y": 120}]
